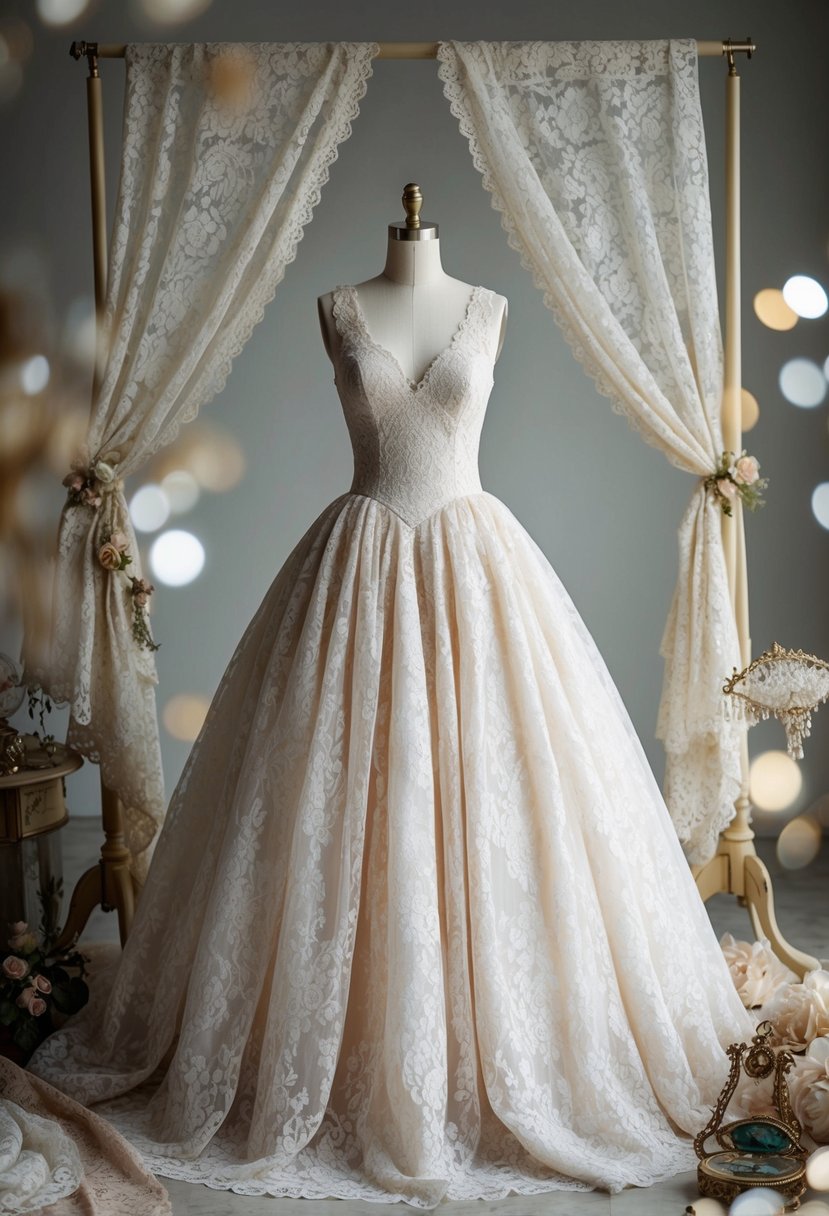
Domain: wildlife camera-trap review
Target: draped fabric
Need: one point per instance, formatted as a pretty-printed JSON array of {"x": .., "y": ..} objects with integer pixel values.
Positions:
[
  {"x": 226, "y": 148},
  {"x": 58, "y": 1158},
  {"x": 594, "y": 154}
]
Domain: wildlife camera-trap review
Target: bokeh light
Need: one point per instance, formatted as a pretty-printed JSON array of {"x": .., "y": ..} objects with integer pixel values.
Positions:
[
  {"x": 820, "y": 810},
  {"x": 61, "y": 12},
  {"x": 749, "y": 410},
  {"x": 215, "y": 458},
  {"x": 759, "y": 1201},
  {"x": 78, "y": 339},
  {"x": 775, "y": 781},
  {"x": 11, "y": 77},
  {"x": 820, "y": 504},
  {"x": 172, "y": 12},
  {"x": 799, "y": 842},
  {"x": 773, "y": 310},
  {"x": 16, "y": 40},
  {"x": 802, "y": 382},
  {"x": 805, "y": 296},
  {"x": 177, "y": 558},
  {"x": 817, "y": 1169},
  {"x": 34, "y": 375},
  {"x": 181, "y": 489},
  {"x": 149, "y": 508},
  {"x": 184, "y": 715}
]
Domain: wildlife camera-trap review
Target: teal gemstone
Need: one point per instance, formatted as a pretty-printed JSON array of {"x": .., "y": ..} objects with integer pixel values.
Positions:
[{"x": 759, "y": 1137}]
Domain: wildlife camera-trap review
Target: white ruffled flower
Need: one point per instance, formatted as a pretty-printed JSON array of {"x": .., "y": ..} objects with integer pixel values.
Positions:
[
  {"x": 809, "y": 1090},
  {"x": 103, "y": 472},
  {"x": 800, "y": 1012},
  {"x": 756, "y": 970}
]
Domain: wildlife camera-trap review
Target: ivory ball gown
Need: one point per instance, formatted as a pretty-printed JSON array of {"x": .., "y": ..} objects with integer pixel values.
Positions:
[{"x": 418, "y": 924}]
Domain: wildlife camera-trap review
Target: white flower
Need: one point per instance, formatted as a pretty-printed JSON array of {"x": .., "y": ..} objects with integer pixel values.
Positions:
[
  {"x": 800, "y": 1012},
  {"x": 755, "y": 969},
  {"x": 809, "y": 1090},
  {"x": 103, "y": 472}
]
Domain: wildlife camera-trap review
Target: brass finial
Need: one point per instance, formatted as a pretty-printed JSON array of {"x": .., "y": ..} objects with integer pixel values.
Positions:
[
  {"x": 412, "y": 202},
  {"x": 412, "y": 228}
]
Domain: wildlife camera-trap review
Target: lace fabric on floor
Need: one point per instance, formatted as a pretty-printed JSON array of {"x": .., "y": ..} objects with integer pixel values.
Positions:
[{"x": 61, "y": 1160}]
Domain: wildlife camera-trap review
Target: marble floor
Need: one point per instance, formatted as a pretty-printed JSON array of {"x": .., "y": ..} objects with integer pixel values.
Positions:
[{"x": 802, "y": 904}]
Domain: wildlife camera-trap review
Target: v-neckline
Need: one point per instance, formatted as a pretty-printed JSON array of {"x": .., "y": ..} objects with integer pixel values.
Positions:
[{"x": 414, "y": 385}]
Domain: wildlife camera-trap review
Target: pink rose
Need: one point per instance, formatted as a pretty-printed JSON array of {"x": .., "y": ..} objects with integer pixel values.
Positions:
[
  {"x": 73, "y": 481},
  {"x": 109, "y": 557},
  {"x": 26, "y": 997},
  {"x": 17, "y": 927},
  {"x": 15, "y": 968},
  {"x": 726, "y": 487},
  {"x": 747, "y": 470},
  {"x": 37, "y": 1007},
  {"x": 42, "y": 984},
  {"x": 119, "y": 540}
]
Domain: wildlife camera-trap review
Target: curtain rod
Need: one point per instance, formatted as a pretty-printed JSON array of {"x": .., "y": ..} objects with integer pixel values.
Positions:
[{"x": 406, "y": 50}]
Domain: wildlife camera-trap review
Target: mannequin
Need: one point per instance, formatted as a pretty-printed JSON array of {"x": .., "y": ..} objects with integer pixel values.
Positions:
[{"x": 413, "y": 308}]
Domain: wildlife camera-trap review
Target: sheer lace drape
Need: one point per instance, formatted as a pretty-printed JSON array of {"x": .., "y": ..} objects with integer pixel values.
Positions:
[
  {"x": 594, "y": 154},
  {"x": 226, "y": 149},
  {"x": 59, "y": 1159}
]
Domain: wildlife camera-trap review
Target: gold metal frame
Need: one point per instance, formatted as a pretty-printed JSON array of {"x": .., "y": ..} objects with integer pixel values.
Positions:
[
  {"x": 760, "y": 1061},
  {"x": 736, "y": 868}
]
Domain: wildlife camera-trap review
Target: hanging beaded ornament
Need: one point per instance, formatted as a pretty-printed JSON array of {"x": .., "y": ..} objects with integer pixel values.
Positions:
[{"x": 788, "y": 684}]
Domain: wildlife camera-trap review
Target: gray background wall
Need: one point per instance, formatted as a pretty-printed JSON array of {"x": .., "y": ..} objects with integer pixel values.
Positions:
[{"x": 601, "y": 504}]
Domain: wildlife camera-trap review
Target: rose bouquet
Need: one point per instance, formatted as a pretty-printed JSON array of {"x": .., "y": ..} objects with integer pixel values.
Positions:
[
  {"x": 35, "y": 983},
  {"x": 737, "y": 477}
]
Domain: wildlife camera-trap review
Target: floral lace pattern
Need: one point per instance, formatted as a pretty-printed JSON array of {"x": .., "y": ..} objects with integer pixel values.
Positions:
[
  {"x": 226, "y": 150},
  {"x": 438, "y": 939},
  {"x": 58, "y": 1159},
  {"x": 594, "y": 154}
]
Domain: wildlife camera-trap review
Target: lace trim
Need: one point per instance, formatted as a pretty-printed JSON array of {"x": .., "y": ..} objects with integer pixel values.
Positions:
[
  {"x": 354, "y": 315},
  {"x": 449, "y": 72},
  {"x": 360, "y": 68}
]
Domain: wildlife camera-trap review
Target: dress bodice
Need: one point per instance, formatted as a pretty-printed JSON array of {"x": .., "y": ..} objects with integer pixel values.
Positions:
[{"x": 415, "y": 443}]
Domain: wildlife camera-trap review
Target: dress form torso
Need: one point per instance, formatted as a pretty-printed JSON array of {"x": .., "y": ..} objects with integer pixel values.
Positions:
[{"x": 413, "y": 308}]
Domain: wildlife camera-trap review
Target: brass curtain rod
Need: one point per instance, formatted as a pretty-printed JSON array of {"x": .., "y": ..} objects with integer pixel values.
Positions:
[{"x": 405, "y": 50}]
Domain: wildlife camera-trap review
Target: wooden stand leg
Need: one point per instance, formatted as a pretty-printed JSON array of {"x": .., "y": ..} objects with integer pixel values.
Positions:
[
  {"x": 737, "y": 870},
  {"x": 109, "y": 884}
]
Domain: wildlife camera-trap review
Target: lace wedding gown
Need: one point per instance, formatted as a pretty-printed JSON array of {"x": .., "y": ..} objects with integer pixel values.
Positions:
[{"x": 418, "y": 924}]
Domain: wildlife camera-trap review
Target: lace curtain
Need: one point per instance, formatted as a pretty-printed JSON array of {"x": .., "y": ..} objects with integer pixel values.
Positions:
[
  {"x": 226, "y": 149},
  {"x": 594, "y": 154}
]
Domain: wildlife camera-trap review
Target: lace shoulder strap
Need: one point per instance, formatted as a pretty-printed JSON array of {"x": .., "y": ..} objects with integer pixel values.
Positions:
[
  {"x": 345, "y": 314},
  {"x": 484, "y": 323}
]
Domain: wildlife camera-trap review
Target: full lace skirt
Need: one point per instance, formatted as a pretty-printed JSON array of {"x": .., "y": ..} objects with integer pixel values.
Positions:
[{"x": 418, "y": 925}]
